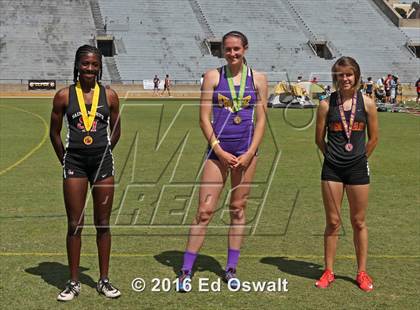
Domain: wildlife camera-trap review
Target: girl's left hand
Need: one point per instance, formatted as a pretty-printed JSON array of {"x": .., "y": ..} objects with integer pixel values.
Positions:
[{"x": 244, "y": 160}]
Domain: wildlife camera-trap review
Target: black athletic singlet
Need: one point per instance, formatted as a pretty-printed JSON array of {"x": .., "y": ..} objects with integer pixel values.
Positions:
[
  {"x": 335, "y": 151},
  {"x": 75, "y": 128}
]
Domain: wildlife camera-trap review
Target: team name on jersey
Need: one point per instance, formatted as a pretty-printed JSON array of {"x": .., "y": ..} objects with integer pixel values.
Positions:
[{"x": 78, "y": 114}]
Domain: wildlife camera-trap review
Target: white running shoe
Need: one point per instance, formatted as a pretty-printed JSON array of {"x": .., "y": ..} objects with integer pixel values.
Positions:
[
  {"x": 106, "y": 288},
  {"x": 71, "y": 290}
]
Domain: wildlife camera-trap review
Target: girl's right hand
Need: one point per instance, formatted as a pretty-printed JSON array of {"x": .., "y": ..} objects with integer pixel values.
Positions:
[{"x": 226, "y": 158}]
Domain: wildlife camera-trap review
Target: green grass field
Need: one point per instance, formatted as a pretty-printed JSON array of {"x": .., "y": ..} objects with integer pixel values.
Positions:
[{"x": 157, "y": 162}]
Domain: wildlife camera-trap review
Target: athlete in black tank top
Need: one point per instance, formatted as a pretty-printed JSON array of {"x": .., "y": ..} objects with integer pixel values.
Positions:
[
  {"x": 76, "y": 128},
  {"x": 336, "y": 152},
  {"x": 343, "y": 120},
  {"x": 91, "y": 112}
]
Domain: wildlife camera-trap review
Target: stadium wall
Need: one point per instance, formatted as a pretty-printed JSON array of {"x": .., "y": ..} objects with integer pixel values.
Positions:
[
  {"x": 136, "y": 91},
  {"x": 395, "y": 17}
]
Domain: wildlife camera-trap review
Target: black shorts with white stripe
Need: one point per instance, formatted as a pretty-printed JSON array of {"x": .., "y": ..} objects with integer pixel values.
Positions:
[
  {"x": 96, "y": 165},
  {"x": 356, "y": 174}
]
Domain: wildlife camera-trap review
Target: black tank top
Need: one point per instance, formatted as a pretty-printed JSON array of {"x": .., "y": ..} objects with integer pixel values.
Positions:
[
  {"x": 75, "y": 128},
  {"x": 337, "y": 139}
]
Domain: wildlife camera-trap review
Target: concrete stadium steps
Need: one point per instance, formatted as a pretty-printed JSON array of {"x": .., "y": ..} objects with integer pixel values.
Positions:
[
  {"x": 357, "y": 28},
  {"x": 276, "y": 42},
  {"x": 160, "y": 37},
  {"x": 412, "y": 33},
  {"x": 40, "y": 38}
]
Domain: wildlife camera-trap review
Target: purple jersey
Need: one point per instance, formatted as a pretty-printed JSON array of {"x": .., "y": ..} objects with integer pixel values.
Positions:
[{"x": 223, "y": 122}]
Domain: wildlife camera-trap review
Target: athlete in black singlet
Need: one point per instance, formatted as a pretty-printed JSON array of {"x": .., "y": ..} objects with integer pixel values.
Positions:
[
  {"x": 91, "y": 112},
  {"x": 156, "y": 82},
  {"x": 344, "y": 118}
]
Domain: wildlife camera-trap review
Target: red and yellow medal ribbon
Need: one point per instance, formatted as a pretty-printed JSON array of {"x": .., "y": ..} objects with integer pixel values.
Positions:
[
  {"x": 87, "y": 119},
  {"x": 347, "y": 127}
]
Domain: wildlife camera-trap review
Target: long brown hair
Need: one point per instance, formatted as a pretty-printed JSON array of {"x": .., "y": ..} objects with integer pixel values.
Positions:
[{"x": 346, "y": 61}]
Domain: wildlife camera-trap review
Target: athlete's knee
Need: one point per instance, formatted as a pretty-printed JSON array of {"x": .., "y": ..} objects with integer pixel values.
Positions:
[
  {"x": 102, "y": 226},
  {"x": 358, "y": 223},
  {"x": 204, "y": 216},
  {"x": 237, "y": 211},
  {"x": 333, "y": 226},
  {"x": 74, "y": 228}
]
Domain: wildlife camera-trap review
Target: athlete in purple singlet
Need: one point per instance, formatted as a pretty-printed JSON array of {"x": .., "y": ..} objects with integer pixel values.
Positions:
[
  {"x": 234, "y": 130},
  {"x": 230, "y": 96}
]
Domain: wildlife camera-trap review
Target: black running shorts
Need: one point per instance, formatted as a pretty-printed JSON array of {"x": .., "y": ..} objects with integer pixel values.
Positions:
[
  {"x": 95, "y": 165},
  {"x": 357, "y": 174}
]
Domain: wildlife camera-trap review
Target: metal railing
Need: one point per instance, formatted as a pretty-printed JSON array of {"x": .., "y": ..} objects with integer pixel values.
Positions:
[{"x": 173, "y": 82}]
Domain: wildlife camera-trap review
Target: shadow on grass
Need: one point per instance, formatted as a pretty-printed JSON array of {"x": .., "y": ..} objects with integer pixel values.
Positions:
[
  {"x": 57, "y": 274},
  {"x": 300, "y": 268},
  {"x": 174, "y": 259}
]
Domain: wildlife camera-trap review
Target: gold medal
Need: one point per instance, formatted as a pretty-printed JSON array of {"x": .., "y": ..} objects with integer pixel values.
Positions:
[
  {"x": 237, "y": 120},
  {"x": 88, "y": 140},
  {"x": 88, "y": 118}
]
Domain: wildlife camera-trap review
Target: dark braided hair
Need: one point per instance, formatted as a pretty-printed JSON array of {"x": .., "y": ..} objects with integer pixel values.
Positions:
[
  {"x": 83, "y": 50},
  {"x": 237, "y": 34}
]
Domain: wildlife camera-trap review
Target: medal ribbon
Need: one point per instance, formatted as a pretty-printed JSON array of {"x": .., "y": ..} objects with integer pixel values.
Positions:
[
  {"x": 237, "y": 99},
  {"x": 87, "y": 119},
  {"x": 347, "y": 128}
]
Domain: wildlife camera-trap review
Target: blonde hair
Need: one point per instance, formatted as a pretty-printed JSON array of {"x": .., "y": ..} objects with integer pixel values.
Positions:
[{"x": 346, "y": 61}]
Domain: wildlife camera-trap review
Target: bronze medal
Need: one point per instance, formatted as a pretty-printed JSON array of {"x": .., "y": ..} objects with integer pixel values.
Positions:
[
  {"x": 347, "y": 127},
  {"x": 88, "y": 140},
  {"x": 237, "y": 120}
]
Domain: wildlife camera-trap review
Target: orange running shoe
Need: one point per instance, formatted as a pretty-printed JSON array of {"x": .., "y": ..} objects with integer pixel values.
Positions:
[
  {"x": 326, "y": 279},
  {"x": 364, "y": 281}
]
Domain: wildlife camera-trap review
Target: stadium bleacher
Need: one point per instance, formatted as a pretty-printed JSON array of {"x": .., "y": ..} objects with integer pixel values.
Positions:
[
  {"x": 160, "y": 37},
  {"x": 361, "y": 30},
  {"x": 38, "y": 39},
  {"x": 277, "y": 43}
]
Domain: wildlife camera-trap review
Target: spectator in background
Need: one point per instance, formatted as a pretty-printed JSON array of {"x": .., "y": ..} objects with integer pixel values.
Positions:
[
  {"x": 156, "y": 82},
  {"x": 299, "y": 79},
  {"x": 369, "y": 87},
  {"x": 387, "y": 86},
  {"x": 362, "y": 85},
  {"x": 167, "y": 85},
  {"x": 380, "y": 82},
  {"x": 418, "y": 91},
  {"x": 314, "y": 80},
  {"x": 399, "y": 90},
  {"x": 328, "y": 90},
  {"x": 393, "y": 87},
  {"x": 380, "y": 93}
]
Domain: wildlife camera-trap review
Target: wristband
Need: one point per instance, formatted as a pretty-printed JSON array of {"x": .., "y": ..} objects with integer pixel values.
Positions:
[{"x": 213, "y": 144}]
